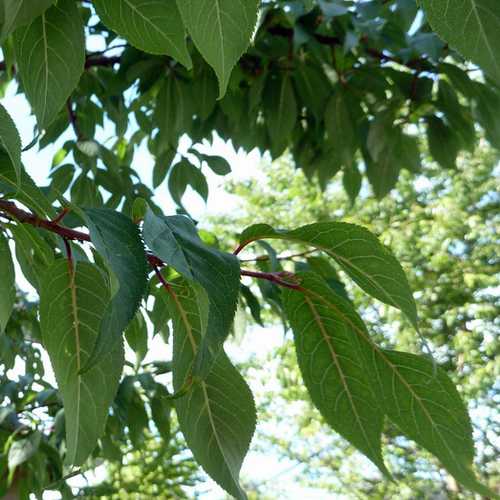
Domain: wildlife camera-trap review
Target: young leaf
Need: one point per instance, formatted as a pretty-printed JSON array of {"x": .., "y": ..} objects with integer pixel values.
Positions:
[
  {"x": 7, "y": 283},
  {"x": 333, "y": 366},
  {"x": 174, "y": 239},
  {"x": 370, "y": 264},
  {"x": 10, "y": 141},
  {"x": 51, "y": 55},
  {"x": 221, "y": 31},
  {"x": 73, "y": 301},
  {"x": 154, "y": 26},
  {"x": 117, "y": 239},
  {"x": 217, "y": 416},
  {"x": 472, "y": 27},
  {"x": 415, "y": 394},
  {"x": 20, "y": 12}
]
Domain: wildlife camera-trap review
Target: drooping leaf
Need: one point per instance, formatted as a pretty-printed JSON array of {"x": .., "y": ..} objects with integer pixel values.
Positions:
[
  {"x": 18, "y": 13},
  {"x": 313, "y": 88},
  {"x": 136, "y": 335},
  {"x": 217, "y": 415},
  {"x": 443, "y": 142},
  {"x": 174, "y": 239},
  {"x": 218, "y": 164},
  {"x": 370, "y": 264},
  {"x": 10, "y": 141},
  {"x": 332, "y": 364},
  {"x": 281, "y": 111},
  {"x": 221, "y": 31},
  {"x": 414, "y": 393},
  {"x": 50, "y": 54},
  {"x": 73, "y": 301},
  {"x": 470, "y": 26},
  {"x": 7, "y": 283},
  {"x": 252, "y": 303},
  {"x": 351, "y": 180},
  {"x": 184, "y": 174},
  {"x": 153, "y": 26},
  {"x": 23, "y": 449},
  {"x": 117, "y": 240}
]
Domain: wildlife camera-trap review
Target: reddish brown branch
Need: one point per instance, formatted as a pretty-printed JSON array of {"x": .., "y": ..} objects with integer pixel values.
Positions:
[{"x": 279, "y": 278}]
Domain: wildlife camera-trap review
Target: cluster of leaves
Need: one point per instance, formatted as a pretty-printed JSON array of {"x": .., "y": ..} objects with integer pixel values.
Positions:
[
  {"x": 309, "y": 83},
  {"x": 445, "y": 233}
]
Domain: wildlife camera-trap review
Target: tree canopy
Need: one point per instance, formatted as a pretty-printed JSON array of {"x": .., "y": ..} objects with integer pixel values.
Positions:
[{"x": 342, "y": 85}]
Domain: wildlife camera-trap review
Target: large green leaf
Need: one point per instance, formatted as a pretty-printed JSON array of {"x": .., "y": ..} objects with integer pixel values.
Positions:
[
  {"x": 221, "y": 31},
  {"x": 217, "y": 416},
  {"x": 470, "y": 26},
  {"x": 117, "y": 239},
  {"x": 7, "y": 283},
  {"x": 10, "y": 141},
  {"x": 50, "y": 54},
  {"x": 73, "y": 302},
  {"x": 17, "y": 13},
  {"x": 333, "y": 366},
  {"x": 154, "y": 26},
  {"x": 414, "y": 393},
  {"x": 175, "y": 240},
  {"x": 369, "y": 263}
]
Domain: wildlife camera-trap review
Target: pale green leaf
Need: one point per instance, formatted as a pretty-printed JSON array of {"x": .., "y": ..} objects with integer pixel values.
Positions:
[
  {"x": 117, "y": 240},
  {"x": 10, "y": 141},
  {"x": 369, "y": 263},
  {"x": 50, "y": 55},
  {"x": 153, "y": 26},
  {"x": 221, "y": 31},
  {"x": 23, "y": 449},
  {"x": 7, "y": 283},
  {"x": 73, "y": 302},
  {"x": 217, "y": 416},
  {"x": 470, "y": 26},
  {"x": 175, "y": 240},
  {"x": 333, "y": 366}
]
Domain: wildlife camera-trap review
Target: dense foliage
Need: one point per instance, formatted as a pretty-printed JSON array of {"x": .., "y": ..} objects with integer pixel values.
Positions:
[{"x": 343, "y": 85}]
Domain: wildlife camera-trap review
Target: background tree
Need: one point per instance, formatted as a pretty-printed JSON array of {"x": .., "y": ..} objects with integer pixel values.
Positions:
[{"x": 343, "y": 85}]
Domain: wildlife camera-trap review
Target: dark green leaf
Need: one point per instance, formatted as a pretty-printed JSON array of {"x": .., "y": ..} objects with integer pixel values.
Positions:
[
  {"x": 23, "y": 449},
  {"x": 73, "y": 301},
  {"x": 136, "y": 335},
  {"x": 154, "y": 26},
  {"x": 221, "y": 31},
  {"x": 175, "y": 240},
  {"x": 10, "y": 141},
  {"x": 351, "y": 180},
  {"x": 443, "y": 143},
  {"x": 51, "y": 54},
  {"x": 184, "y": 174},
  {"x": 217, "y": 416},
  {"x": 218, "y": 164},
  {"x": 332, "y": 365},
  {"x": 118, "y": 241},
  {"x": 7, "y": 283}
]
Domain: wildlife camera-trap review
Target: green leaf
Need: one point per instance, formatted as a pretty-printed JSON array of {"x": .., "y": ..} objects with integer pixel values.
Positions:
[
  {"x": 351, "y": 180},
  {"x": 415, "y": 394},
  {"x": 281, "y": 111},
  {"x": 221, "y": 30},
  {"x": 136, "y": 335},
  {"x": 154, "y": 26},
  {"x": 218, "y": 164},
  {"x": 252, "y": 303},
  {"x": 73, "y": 301},
  {"x": 360, "y": 254},
  {"x": 332, "y": 364},
  {"x": 20, "y": 12},
  {"x": 313, "y": 87},
  {"x": 7, "y": 283},
  {"x": 472, "y": 27},
  {"x": 161, "y": 409},
  {"x": 27, "y": 192},
  {"x": 340, "y": 122},
  {"x": 423, "y": 402},
  {"x": 217, "y": 416},
  {"x": 443, "y": 143},
  {"x": 10, "y": 141},
  {"x": 117, "y": 240},
  {"x": 51, "y": 55},
  {"x": 175, "y": 240},
  {"x": 184, "y": 174}
]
